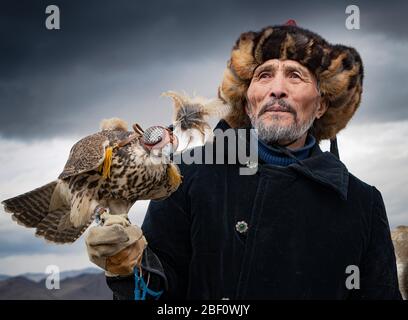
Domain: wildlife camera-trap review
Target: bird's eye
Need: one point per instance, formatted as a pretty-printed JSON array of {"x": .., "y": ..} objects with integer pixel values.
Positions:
[{"x": 153, "y": 135}]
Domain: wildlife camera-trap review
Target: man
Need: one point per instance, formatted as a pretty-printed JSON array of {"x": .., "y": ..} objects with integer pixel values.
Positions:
[{"x": 301, "y": 227}]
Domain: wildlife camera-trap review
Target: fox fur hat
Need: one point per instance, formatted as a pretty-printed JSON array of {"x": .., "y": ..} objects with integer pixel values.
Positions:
[{"x": 337, "y": 68}]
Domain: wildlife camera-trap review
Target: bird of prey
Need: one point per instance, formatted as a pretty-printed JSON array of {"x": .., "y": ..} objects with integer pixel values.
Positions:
[
  {"x": 109, "y": 170},
  {"x": 400, "y": 239},
  {"x": 112, "y": 168}
]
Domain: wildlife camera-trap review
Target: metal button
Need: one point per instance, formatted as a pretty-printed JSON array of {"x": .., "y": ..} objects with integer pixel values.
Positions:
[{"x": 241, "y": 226}]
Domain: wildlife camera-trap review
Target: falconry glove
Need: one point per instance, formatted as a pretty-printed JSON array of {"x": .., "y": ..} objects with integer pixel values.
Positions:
[{"x": 116, "y": 246}]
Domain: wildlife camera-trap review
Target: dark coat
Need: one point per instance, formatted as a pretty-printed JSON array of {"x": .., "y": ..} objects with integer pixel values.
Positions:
[{"x": 306, "y": 224}]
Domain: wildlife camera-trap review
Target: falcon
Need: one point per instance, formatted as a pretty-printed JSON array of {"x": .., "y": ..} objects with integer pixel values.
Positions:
[{"x": 108, "y": 171}]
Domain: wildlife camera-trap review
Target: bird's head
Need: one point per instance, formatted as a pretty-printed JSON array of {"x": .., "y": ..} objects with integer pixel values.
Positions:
[
  {"x": 155, "y": 148},
  {"x": 159, "y": 141}
]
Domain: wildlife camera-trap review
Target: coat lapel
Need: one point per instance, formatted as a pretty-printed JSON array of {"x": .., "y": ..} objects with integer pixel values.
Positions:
[{"x": 325, "y": 168}]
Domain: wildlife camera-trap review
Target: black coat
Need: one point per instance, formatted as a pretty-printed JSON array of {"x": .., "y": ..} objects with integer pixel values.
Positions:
[{"x": 306, "y": 224}]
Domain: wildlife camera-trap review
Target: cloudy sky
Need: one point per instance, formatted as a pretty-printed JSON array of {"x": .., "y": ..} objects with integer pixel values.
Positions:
[{"x": 115, "y": 59}]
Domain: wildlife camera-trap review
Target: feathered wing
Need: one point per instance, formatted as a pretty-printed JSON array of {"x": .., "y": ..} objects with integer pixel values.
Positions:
[
  {"x": 83, "y": 203},
  {"x": 56, "y": 227},
  {"x": 30, "y": 208},
  {"x": 46, "y": 209},
  {"x": 86, "y": 155},
  {"x": 71, "y": 209},
  {"x": 60, "y": 210}
]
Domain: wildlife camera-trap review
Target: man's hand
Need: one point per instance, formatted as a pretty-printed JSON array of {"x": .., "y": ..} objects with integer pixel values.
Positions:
[{"x": 116, "y": 248}]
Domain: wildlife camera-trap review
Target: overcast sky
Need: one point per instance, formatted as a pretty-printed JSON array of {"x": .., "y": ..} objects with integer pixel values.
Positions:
[{"x": 115, "y": 59}]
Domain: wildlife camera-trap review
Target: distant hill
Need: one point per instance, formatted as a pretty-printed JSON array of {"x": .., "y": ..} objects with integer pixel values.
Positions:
[
  {"x": 4, "y": 277},
  {"x": 87, "y": 286},
  {"x": 37, "y": 277}
]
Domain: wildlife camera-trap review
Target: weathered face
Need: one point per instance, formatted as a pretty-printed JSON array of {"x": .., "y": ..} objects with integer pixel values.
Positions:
[{"x": 283, "y": 100}]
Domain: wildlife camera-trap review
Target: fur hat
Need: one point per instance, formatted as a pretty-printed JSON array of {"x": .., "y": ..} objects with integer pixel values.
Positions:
[{"x": 338, "y": 70}]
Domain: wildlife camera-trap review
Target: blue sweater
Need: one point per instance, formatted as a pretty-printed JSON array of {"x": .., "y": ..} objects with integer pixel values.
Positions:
[{"x": 275, "y": 156}]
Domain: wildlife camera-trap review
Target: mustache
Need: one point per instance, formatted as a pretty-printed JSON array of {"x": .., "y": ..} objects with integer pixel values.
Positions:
[{"x": 283, "y": 104}]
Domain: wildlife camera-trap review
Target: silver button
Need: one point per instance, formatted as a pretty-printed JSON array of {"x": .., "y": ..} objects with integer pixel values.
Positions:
[
  {"x": 241, "y": 226},
  {"x": 225, "y": 298}
]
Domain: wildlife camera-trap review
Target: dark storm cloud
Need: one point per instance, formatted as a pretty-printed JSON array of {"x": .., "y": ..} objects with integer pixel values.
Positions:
[
  {"x": 115, "y": 58},
  {"x": 388, "y": 17}
]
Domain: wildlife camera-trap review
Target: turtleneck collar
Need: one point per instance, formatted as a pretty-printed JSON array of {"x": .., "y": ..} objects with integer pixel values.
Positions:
[{"x": 274, "y": 156}]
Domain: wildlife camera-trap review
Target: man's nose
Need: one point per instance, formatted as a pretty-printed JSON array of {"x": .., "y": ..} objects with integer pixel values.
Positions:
[
  {"x": 278, "y": 89},
  {"x": 279, "y": 94}
]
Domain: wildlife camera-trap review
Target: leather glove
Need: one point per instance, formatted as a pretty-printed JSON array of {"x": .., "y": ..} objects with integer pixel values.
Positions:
[{"x": 116, "y": 246}]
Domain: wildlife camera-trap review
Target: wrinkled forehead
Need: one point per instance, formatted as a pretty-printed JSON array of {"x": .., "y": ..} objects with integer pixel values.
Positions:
[{"x": 282, "y": 65}]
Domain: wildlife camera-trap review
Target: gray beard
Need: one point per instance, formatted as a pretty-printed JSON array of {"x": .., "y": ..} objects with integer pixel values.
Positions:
[{"x": 275, "y": 133}]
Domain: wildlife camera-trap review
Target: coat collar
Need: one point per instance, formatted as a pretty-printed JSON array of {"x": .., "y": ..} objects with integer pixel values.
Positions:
[
  {"x": 325, "y": 168},
  {"x": 321, "y": 167}
]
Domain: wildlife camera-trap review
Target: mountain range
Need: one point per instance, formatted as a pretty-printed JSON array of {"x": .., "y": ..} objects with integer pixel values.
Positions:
[{"x": 87, "y": 284}]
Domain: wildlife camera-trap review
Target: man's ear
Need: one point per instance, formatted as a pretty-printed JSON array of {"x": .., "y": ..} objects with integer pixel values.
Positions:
[{"x": 322, "y": 108}]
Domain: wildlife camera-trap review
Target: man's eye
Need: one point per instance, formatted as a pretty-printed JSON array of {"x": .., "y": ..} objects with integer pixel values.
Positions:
[
  {"x": 295, "y": 75},
  {"x": 264, "y": 75}
]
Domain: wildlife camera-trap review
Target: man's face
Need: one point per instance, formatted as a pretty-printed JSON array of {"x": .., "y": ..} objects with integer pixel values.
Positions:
[{"x": 283, "y": 100}]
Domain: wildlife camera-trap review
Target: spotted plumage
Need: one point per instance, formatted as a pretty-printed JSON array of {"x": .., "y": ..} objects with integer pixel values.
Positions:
[
  {"x": 63, "y": 209},
  {"x": 112, "y": 169}
]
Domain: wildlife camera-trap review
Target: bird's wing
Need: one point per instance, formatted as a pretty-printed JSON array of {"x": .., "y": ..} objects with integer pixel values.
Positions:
[
  {"x": 87, "y": 154},
  {"x": 84, "y": 201},
  {"x": 57, "y": 228},
  {"x": 72, "y": 215},
  {"x": 31, "y": 210}
]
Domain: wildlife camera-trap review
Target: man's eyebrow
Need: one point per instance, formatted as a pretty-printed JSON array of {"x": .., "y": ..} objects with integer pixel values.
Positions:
[
  {"x": 302, "y": 71},
  {"x": 260, "y": 69},
  {"x": 287, "y": 69}
]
